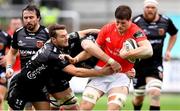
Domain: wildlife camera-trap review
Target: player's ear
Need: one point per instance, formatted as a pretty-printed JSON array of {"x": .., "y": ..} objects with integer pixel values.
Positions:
[{"x": 53, "y": 39}]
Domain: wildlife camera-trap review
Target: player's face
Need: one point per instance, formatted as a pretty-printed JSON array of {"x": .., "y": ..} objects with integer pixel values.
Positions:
[
  {"x": 122, "y": 25},
  {"x": 150, "y": 12},
  {"x": 62, "y": 38},
  {"x": 30, "y": 20}
]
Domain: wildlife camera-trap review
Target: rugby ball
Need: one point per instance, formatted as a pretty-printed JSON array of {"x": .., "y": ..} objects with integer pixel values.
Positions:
[{"x": 131, "y": 44}]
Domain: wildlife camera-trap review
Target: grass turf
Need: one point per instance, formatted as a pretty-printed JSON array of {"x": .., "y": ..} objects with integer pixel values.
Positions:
[{"x": 168, "y": 102}]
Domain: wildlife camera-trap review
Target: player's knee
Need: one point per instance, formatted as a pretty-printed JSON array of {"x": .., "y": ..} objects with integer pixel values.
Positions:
[
  {"x": 86, "y": 105},
  {"x": 91, "y": 95},
  {"x": 117, "y": 98},
  {"x": 71, "y": 100},
  {"x": 54, "y": 104},
  {"x": 139, "y": 92},
  {"x": 154, "y": 87}
]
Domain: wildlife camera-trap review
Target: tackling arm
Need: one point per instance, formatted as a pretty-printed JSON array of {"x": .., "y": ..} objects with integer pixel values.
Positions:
[{"x": 83, "y": 72}]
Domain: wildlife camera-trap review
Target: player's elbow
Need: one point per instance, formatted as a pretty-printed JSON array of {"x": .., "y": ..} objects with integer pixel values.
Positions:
[
  {"x": 86, "y": 44},
  {"x": 149, "y": 51}
]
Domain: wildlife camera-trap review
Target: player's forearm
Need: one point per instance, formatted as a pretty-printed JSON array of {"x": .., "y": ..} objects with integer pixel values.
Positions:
[
  {"x": 171, "y": 43},
  {"x": 143, "y": 51},
  {"x": 83, "y": 56},
  {"x": 10, "y": 57},
  {"x": 82, "y": 72},
  {"x": 94, "y": 50}
]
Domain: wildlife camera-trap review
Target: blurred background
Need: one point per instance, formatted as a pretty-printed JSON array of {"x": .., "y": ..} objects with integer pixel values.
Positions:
[{"x": 82, "y": 14}]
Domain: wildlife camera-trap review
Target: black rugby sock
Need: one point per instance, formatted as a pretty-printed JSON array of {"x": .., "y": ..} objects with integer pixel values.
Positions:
[
  {"x": 137, "y": 108},
  {"x": 154, "y": 108}
]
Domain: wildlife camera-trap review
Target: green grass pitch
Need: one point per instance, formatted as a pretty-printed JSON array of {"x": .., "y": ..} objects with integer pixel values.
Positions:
[{"x": 168, "y": 102}]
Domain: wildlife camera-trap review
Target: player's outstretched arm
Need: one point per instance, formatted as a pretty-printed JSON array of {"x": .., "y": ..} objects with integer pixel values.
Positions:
[{"x": 84, "y": 72}]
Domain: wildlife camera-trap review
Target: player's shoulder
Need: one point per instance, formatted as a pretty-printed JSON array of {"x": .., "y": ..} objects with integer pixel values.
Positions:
[
  {"x": 19, "y": 29},
  {"x": 164, "y": 17},
  {"x": 45, "y": 29},
  {"x": 5, "y": 34},
  {"x": 47, "y": 48},
  {"x": 137, "y": 18}
]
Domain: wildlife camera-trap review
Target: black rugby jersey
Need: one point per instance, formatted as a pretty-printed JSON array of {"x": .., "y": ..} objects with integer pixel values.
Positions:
[
  {"x": 5, "y": 42},
  {"x": 77, "y": 48},
  {"x": 45, "y": 59},
  {"x": 28, "y": 42},
  {"x": 156, "y": 33}
]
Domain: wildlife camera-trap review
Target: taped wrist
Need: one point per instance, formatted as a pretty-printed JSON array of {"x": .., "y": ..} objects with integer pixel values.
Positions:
[{"x": 9, "y": 69}]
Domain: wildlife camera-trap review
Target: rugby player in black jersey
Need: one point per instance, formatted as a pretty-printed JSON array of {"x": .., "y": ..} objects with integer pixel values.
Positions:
[
  {"x": 5, "y": 42},
  {"x": 27, "y": 86},
  {"x": 149, "y": 71},
  {"x": 27, "y": 39}
]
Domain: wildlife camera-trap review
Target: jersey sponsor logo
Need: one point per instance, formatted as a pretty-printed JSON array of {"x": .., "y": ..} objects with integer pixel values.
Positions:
[
  {"x": 161, "y": 31},
  {"x": 20, "y": 43},
  {"x": 39, "y": 44},
  {"x": 1, "y": 46},
  {"x": 30, "y": 38},
  {"x": 155, "y": 41},
  {"x": 27, "y": 52},
  {"x": 33, "y": 74}
]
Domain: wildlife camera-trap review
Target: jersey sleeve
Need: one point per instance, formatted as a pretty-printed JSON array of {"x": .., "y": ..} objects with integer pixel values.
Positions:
[
  {"x": 139, "y": 35},
  {"x": 74, "y": 37},
  {"x": 172, "y": 30}
]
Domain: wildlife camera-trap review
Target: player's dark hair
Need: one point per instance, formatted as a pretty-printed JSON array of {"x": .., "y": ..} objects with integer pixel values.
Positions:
[
  {"x": 123, "y": 12},
  {"x": 32, "y": 8},
  {"x": 53, "y": 28}
]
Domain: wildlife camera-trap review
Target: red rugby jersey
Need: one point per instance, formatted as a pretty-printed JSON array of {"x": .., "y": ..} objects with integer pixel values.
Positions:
[{"x": 111, "y": 42}]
